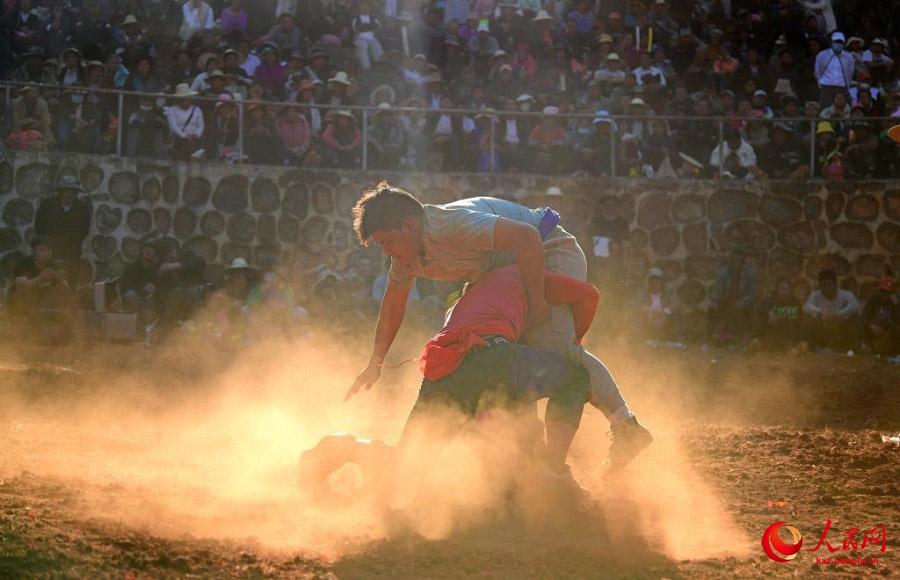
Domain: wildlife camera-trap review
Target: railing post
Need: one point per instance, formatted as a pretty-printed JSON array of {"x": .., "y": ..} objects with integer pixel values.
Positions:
[
  {"x": 8, "y": 97},
  {"x": 365, "y": 138},
  {"x": 240, "y": 131},
  {"x": 493, "y": 133},
  {"x": 121, "y": 124},
  {"x": 613, "y": 128},
  {"x": 812, "y": 148},
  {"x": 721, "y": 146}
]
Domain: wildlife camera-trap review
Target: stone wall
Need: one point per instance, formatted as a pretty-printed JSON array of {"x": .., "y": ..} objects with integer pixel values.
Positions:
[{"x": 262, "y": 213}]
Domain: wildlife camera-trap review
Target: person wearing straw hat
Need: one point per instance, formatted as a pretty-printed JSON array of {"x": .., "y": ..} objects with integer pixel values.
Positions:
[
  {"x": 464, "y": 240},
  {"x": 876, "y": 60},
  {"x": 186, "y": 124},
  {"x": 65, "y": 219},
  {"x": 342, "y": 140},
  {"x": 338, "y": 90}
]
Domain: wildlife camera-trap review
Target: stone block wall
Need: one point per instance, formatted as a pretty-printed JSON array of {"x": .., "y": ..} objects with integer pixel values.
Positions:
[{"x": 264, "y": 213}]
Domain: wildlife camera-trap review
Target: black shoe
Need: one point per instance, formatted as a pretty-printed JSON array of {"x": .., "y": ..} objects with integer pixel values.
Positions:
[{"x": 628, "y": 439}]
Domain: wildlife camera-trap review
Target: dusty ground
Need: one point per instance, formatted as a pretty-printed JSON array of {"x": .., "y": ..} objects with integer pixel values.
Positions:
[{"x": 120, "y": 462}]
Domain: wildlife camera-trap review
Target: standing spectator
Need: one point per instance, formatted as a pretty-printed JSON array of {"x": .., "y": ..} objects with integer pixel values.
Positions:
[
  {"x": 735, "y": 156},
  {"x": 365, "y": 28},
  {"x": 234, "y": 17},
  {"x": 261, "y": 143},
  {"x": 139, "y": 285},
  {"x": 881, "y": 320},
  {"x": 197, "y": 16},
  {"x": 829, "y": 157},
  {"x": 271, "y": 73},
  {"x": 342, "y": 140},
  {"x": 733, "y": 298},
  {"x": 782, "y": 322},
  {"x": 142, "y": 79},
  {"x": 831, "y": 313},
  {"x": 32, "y": 120},
  {"x": 834, "y": 70},
  {"x": 65, "y": 220},
  {"x": 186, "y": 125},
  {"x": 654, "y": 308},
  {"x": 482, "y": 47}
]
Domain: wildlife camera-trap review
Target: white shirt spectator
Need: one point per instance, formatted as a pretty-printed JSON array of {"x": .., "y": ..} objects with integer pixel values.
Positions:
[
  {"x": 745, "y": 154},
  {"x": 652, "y": 71},
  {"x": 185, "y": 123},
  {"x": 250, "y": 63},
  {"x": 844, "y": 304},
  {"x": 196, "y": 18},
  {"x": 606, "y": 75},
  {"x": 834, "y": 70},
  {"x": 285, "y": 6},
  {"x": 512, "y": 132}
]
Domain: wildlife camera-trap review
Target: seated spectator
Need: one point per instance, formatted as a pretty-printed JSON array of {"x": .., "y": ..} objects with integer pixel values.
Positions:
[
  {"x": 877, "y": 62},
  {"x": 782, "y": 322},
  {"x": 81, "y": 121},
  {"x": 338, "y": 92},
  {"x": 270, "y": 73},
  {"x": 881, "y": 320},
  {"x": 32, "y": 68},
  {"x": 733, "y": 299},
  {"x": 829, "y": 157},
  {"x": 595, "y": 156},
  {"x": 548, "y": 141},
  {"x": 647, "y": 75},
  {"x": 366, "y": 27},
  {"x": 735, "y": 156},
  {"x": 72, "y": 72},
  {"x": 271, "y": 307},
  {"x": 261, "y": 141},
  {"x": 342, "y": 140},
  {"x": 229, "y": 306},
  {"x": 142, "y": 79},
  {"x": 146, "y": 130},
  {"x": 486, "y": 135},
  {"x": 293, "y": 130},
  {"x": 861, "y": 156},
  {"x": 31, "y": 121},
  {"x": 450, "y": 134},
  {"x": 222, "y": 131},
  {"x": 837, "y": 111},
  {"x": 831, "y": 315},
  {"x": 186, "y": 125},
  {"x": 784, "y": 157},
  {"x": 139, "y": 285},
  {"x": 654, "y": 306},
  {"x": 40, "y": 294},
  {"x": 387, "y": 141},
  {"x": 197, "y": 16},
  {"x": 286, "y": 35}
]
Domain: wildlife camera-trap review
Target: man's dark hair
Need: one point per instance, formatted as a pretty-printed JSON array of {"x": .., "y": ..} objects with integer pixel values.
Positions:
[
  {"x": 383, "y": 207},
  {"x": 826, "y": 275},
  {"x": 39, "y": 240}
]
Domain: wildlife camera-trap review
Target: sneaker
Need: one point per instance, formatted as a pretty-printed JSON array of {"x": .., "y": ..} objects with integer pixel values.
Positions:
[{"x": 628, "y": 439}]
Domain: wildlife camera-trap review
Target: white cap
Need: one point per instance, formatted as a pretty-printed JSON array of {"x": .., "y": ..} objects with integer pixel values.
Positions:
[
  {"x": 655, "y": 272},
  {"x": 837, "y": 36},
  {"x": 550, "y": 110},
  {"x": 553, "y": 190}
]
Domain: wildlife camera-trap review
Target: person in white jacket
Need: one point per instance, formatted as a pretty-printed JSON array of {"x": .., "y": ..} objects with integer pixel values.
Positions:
[
  {"x": 824, "y": 13},
  {"x": 198, "y": 16}
]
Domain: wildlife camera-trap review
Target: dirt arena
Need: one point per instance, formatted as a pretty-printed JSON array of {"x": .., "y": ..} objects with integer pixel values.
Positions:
[{"x": 118, "y": 461}]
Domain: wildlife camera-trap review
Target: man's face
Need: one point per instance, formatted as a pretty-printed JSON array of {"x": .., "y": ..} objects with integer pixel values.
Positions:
[
  {"x": 148, "y": 255},
  {"x": 829, "y": 288},
  {"x": 42, "y": 254},
  {"x": 402, "y": 244},
  {"x": 734, "y": 143},
  {"x": 840, "y": 100}
]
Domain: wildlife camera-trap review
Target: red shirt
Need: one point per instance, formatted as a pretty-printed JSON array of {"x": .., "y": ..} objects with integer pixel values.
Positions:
[{"x": 497, "y": 305}]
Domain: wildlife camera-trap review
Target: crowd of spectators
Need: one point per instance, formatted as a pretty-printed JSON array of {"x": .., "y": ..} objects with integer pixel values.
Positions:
[{"x": 799, "y": 83}]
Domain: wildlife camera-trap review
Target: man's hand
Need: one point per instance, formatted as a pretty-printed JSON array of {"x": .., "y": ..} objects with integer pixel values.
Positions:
[{"x": 366, "y": 379}]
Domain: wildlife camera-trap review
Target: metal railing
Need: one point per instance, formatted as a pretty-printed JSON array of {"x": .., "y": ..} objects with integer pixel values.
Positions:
[{"x": 365, "y": 112}]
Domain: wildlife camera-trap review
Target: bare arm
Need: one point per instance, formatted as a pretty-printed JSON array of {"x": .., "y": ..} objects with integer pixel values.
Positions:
[
  {"x": 524, "y": 242},
  {"x": 390, "y": 317}
]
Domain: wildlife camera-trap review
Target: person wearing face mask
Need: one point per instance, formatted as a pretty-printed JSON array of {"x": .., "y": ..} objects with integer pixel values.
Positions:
[{"x": 834, "y": 70}]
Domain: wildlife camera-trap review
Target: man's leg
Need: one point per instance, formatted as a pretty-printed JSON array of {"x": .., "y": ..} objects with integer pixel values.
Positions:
[{"x": 558, "y": 335}]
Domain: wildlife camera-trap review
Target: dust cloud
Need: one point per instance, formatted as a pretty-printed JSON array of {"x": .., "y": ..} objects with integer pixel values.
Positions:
[{"x": 185, "y": 441}]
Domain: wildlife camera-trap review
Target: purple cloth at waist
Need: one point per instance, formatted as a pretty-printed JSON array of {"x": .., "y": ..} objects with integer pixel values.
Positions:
[{"x": 550, "y": 220}]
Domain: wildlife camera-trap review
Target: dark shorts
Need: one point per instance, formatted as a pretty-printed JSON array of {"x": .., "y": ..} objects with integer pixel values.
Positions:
[{"x": 508, "y": 374}]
